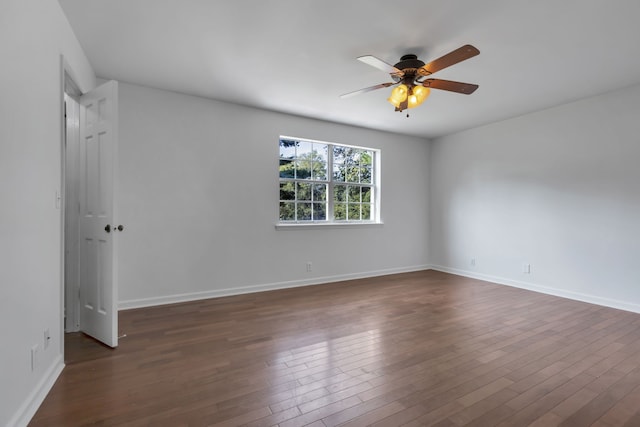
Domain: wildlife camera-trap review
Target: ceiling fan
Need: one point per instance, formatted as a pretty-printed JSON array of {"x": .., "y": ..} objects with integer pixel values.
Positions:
[{"x": 411, "y": 77}]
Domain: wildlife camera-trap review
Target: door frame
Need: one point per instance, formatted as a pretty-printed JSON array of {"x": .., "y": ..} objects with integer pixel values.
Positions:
[
  {"x": 68, "y": 86},
  {"x": 71, "y": 213},
  {"x": 66, "y": 74}
]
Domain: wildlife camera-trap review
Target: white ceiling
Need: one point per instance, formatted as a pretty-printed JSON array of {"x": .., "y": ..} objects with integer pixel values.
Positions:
[{"x": 298, "y": 56}]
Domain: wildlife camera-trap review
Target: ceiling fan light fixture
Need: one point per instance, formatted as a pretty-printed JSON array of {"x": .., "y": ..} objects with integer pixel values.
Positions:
[
  {"x": 418, "y": 95},
  {"x": 412, "y": 101},
  {"x": 394, "y": 102},
  {"x": 398, "y": 95},
  {"x": 421, "y": 93}
]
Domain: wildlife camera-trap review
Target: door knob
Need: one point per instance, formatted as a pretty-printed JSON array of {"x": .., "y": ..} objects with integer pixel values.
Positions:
[
  {"x": 120, "y": 227},
  {"x": 108, "y": 228}
]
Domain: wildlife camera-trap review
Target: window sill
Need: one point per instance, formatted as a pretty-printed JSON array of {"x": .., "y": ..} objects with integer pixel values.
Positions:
[{"x": 325, "y": 225}]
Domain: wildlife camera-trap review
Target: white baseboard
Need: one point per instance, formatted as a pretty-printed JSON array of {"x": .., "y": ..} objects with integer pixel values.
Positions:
[
  {"x": 194, "y": 296},
  {"x": 592, "y": 299},
  {"x": 28, "y": 409},
  {"x": 216, "y": 293}
]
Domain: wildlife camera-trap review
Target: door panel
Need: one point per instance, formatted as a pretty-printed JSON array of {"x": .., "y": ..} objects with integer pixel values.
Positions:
[{"x": 98, "y": 244}]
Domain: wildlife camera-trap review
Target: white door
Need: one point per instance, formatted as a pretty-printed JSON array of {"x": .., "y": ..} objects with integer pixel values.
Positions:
[{"x": 98, "y": 231}]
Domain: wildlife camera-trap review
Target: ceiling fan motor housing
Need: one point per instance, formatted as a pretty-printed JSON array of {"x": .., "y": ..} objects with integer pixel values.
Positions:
[
  {"x": 409, "y": 64},
  {"x": 409, "y": 61}
]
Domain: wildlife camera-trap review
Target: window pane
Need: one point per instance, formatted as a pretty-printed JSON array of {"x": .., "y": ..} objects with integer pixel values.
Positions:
[
  {"x": 366, "y": 211},
  {"x": 340, "y": 211},
  {"x": 340, "y": 193},
  {"x": 303, "y": 169},
  {"x": 354, "y": 212},
  {"x": 319, "y": 211},
  {"x": 288, "y": 148},
  {"x": 366, "y": 194},
  {"x": 287, "y": 211},
  {"x": 304, "y": 191},
  {"x": 319, "y": 169},
  {"x": 353, "y": 174},
  {"x": 304, "y": 211},
  {"x": 365, "y": 174},
  {"x": 320, "y": 159},
  {"x": 366, "y": 159},
  {"x": 287, "y": 169},
  {"x": 287, "y": 191},
  {"x": 338, "y": 172},
  {"x": 320, "y": 192},
  {"x": 303, "y": 149},
  {"x": 355, "y": 156},
  {"x": 351, "y": 156},
  {"x": 338, "y": 154},
  {"x": 354, "y": 193}
]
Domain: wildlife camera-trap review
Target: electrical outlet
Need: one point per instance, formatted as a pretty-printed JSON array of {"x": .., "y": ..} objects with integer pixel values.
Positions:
[
  {"x": 526, "y": 268},
  {"x": 34, "y": 357},
  {"x": 473, "y": 262},
  {"x": 47, "y": 339},
  {"x": 309, "y": 266}
]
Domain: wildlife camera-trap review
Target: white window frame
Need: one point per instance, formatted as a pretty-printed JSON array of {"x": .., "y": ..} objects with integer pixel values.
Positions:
[{"x": 330, "y": 221}]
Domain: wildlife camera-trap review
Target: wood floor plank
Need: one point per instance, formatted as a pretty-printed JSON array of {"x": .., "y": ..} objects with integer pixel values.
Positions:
[
  {"x": 605, "y": 400},
  {"x": 623, "y": 410},
  {"x": 468, "y": 414},
  {"x": 422, "y": 348},
  {"x": 531, "y": 412}
]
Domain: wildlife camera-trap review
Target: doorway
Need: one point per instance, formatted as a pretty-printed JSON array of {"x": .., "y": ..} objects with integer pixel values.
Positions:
[
  {"x": 89, "y": 242},
  {"x": 70, "y": 191}
]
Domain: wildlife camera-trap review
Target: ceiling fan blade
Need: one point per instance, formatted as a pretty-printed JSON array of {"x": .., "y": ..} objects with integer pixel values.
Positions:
[
  {"x": 367, "y": 89},
  {"x": 380, "y": 64},
  {"x": 465, "y": 52},
  {"x": 464, "y": 88}
]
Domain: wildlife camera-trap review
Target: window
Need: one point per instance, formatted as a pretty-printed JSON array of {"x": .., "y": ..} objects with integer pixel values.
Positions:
[{"x": 322, "y": 182}]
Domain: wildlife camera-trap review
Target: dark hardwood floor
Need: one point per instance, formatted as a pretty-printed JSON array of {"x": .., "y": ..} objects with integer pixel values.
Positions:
[{"x": 417, "y": 349}]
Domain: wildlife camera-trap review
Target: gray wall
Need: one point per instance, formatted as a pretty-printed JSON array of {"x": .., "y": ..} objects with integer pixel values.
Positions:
[
  {"x": 33, "y": 35},
  {"x": 558, "y": 189},
  {"x": 199, "y": 200}
]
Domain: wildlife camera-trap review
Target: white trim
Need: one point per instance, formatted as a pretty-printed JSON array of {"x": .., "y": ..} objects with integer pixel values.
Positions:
[
  {"x": 28, "y": 409},
  {"x": 69, "y": 87},
  {"x": 194, "y": 296},
  {"x": 317, "y": 141},
  {"x": 577, "y": 296},
  {"x": 312, "y": 225}
]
